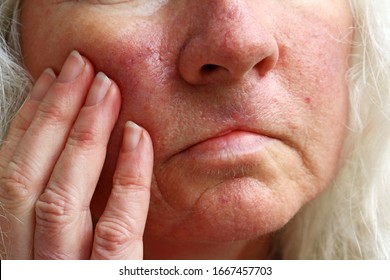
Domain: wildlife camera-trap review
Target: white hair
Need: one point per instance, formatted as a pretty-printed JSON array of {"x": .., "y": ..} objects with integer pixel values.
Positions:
[
  {"x": 350, "y": 220},
  {"x": 14, "y": 80}
]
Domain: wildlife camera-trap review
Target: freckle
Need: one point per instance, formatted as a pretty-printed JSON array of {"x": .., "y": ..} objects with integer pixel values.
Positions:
[
  {"x": 307, "y": 100},
  {"x": 146, "y": 107}
]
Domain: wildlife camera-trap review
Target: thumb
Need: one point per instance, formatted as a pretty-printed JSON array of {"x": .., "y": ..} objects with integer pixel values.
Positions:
[{"x": 119, "y": 232}]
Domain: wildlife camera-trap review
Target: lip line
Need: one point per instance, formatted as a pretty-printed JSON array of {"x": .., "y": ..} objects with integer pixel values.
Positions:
[{"x": 221, "y": 134}]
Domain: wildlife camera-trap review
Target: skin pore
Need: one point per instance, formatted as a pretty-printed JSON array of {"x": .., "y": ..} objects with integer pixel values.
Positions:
[{"x": 245, "y": 103}]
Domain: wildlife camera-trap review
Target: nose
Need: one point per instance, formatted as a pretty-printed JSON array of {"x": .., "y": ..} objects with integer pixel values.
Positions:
[{"x": 230, "y": 41}]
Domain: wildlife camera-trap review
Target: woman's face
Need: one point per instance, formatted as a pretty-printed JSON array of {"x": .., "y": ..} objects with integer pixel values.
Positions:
[{"x": 245, "y": 101}]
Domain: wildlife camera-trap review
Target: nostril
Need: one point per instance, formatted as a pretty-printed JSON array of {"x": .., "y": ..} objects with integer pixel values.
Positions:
[{"x": 207, "y": 68}]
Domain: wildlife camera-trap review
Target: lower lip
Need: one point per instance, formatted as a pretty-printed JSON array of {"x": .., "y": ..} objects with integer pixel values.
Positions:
[{"x": 231, "y": 148}]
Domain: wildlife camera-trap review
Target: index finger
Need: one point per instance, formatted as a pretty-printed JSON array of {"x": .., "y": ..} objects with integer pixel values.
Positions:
[{"x": 119, "y": 232}]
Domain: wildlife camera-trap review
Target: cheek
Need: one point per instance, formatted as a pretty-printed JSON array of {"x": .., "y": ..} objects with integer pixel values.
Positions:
[
  {"x": 135, "y": 60},
  {"x": 133, "y": 52},
  {"x": 145, "y": 70},
  {"x": 313, "y": 66},
  {"x": 139, "y": 67}
]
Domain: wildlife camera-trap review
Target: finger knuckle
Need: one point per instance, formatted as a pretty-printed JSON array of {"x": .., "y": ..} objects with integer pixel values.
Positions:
[
  {"x": 20, "y": 124},
  {"x": 52, "y": 254},
  {"x": 83, "y": 138},
  {"x": 53, "y": 114},
  {"x": 52, "y": 209},
  {"x": 135, "y": 182},
  {"x": 115, "y": 236},
  {"x": 14, "y": 184}
]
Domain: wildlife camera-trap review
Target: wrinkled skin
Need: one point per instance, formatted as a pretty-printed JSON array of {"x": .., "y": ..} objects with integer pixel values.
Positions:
[{"x": 245, "y": 103}]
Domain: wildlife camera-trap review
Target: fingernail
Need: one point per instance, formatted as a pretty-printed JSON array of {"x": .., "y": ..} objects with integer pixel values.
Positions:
[
  {"x": 132, "y": 136},
  {"x": 42, "y": 84},
  {"x": 99, "y": 89},
  {"x": 72, "y": 68}
]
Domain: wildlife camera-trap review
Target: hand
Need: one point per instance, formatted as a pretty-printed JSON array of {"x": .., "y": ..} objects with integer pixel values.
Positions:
[{"x": 50, "y": 164}]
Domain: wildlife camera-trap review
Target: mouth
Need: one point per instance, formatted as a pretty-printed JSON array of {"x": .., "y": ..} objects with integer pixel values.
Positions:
[{"x": 231, "y": 148}]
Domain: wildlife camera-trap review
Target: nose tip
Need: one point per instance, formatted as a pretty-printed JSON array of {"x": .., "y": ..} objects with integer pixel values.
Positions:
[{"x": 228, "y": 48}]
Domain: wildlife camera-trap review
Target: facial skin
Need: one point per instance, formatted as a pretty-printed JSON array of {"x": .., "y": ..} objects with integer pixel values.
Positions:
[{"x": 245, "y": 102}]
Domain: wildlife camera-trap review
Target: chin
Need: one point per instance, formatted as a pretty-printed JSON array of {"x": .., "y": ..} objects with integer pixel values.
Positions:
[{"x": 237, "y": 209}]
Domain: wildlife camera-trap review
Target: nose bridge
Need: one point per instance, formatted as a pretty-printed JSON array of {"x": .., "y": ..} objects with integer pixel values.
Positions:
[
  {"x": 226, "y": 11},
  {"x": 229, "y": 14},
  {"x": 224, "y": 26},
  {"x": 230, "y": 25},
  {"x": 238, "y": 37},
  {"x": 232, "y": 39}
]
